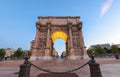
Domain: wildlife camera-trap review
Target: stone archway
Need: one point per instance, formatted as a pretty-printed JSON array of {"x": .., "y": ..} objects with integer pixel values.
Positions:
[
  {"x": 47, "y": 29},
  {"x": 59, "y": 35}
]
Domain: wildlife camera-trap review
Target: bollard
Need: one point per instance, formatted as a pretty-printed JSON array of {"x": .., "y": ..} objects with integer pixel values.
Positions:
[
  {"x": 25, "y": 69},
  {"x": 94, "y": 68}
]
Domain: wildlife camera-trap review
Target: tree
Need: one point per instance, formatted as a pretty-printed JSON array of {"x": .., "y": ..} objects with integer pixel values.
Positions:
[
  {"x": 28, "y": 53},
  {"x": 90, "y": 52},
  {"x": 96, "y": 51},
  {"x": 19, "y": 53},
  {"x": 2, "y": 54},
  {"x": 114, "y": 49},
  {"x": 99, "y": 50}
]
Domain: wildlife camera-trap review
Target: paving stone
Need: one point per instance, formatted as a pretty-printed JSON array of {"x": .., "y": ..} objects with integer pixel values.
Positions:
[{"x": 109, "y": 68}]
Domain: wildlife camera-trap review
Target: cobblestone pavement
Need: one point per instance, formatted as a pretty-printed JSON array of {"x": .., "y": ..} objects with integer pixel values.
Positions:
[{"x": 109, "y": 68}]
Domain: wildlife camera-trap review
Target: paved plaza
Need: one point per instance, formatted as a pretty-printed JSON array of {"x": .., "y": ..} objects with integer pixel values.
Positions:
[{"x": 109, "y": 68}]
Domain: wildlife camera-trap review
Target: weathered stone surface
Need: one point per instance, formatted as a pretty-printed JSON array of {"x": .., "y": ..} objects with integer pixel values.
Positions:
[{"x": 70, "y": 26}]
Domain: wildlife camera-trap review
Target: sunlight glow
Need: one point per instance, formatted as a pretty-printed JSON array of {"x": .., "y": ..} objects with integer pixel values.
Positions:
[{"x": 59, "y": 34}]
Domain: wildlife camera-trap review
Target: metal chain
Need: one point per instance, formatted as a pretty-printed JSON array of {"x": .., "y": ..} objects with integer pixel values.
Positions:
[
  {"x": 77, "y": 68},
  {"x": 41, "y": 68},
  {"x": 60, "y": 72}
]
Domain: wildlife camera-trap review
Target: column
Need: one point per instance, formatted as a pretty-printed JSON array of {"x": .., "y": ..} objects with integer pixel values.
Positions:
[
  {"x": 37, "y": 37},
  {"x": 83, "y": 48},
  {"x": 35, "y": 47},
  {"x": 52, "y": 47},
  {"x": 47, "y": 50},
  {"x": 70, "y": 34},
  {"x": 67, "y": 48},
  {"x": 71, "y": 49}
]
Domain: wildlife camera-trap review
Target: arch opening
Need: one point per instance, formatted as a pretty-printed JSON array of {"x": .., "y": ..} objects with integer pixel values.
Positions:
[
  {"x": 59, "y": 39},
  {"x": 59, "y": 46}
]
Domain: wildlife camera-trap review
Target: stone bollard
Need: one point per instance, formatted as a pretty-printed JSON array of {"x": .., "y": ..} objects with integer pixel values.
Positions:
[
  {"x": 25, "y": 69},
  {"x": 94, "y": 68}
]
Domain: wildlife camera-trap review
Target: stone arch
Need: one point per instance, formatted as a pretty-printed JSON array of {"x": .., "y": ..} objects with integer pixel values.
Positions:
[
  {"x": 56, "y": 35},
  {"x": 48, "y": 29}
]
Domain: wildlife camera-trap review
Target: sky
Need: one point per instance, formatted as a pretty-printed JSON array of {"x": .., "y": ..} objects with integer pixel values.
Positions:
[{"x": 101, "y": 20}]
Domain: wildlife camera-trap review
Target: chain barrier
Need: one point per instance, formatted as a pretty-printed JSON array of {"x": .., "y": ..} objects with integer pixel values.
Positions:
[{"x": 69, "y": 71}]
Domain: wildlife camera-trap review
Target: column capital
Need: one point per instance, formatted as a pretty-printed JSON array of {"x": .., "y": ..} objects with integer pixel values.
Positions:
[
  {"x": 70, "y": 24},
  {"x": 38, "y": 23},
  {"x": 80, "y": 25},
  {"x": 48, "y": 25},
  {"x": 37, "y": 26}
]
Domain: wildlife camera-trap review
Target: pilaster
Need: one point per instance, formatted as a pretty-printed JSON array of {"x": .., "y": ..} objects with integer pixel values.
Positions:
[
  {"x": 47, "y": 50},
  {"x": 71, "y": 49},
  {"x": 83, "y": 48},
  {"x": 35, "y": 47}
]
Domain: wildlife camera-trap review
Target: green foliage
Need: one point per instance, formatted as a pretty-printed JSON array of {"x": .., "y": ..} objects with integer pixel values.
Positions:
[
  {"x": 90, "y": 51},
  {"x": 96, "y": 51},
  {"x": 19, "y": 53},
  {"x": 114, "y": 49},
  {"x": 2, "y": 54},
  {"x": 12, "y": 56},
  {"x": 99, "y": 50}
]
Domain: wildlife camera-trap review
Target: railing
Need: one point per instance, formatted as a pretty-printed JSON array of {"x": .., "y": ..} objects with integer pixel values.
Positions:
[{"x": 94, "y": 68}]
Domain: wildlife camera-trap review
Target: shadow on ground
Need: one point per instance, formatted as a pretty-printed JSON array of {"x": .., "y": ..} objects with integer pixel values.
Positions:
[{"x": 57, "y": 75}]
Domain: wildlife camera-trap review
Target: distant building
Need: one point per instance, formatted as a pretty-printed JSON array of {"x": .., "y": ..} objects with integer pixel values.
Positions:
[
  {"x": 118, "y": 45},
  {"x": 105, "y": 46},
  {"x": 9, "y": 52},
  {"x": 63, "y": 55}
]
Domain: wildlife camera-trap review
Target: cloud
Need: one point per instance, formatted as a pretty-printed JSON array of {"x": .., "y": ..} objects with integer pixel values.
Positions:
[{"x": 106, "y": 6}]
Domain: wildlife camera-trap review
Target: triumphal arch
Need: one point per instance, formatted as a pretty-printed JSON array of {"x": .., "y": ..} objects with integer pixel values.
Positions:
[{"x": 50, "y": 28}]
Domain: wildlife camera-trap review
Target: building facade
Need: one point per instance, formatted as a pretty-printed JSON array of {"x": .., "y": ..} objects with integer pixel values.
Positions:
[{"x": 9, "y": 52}]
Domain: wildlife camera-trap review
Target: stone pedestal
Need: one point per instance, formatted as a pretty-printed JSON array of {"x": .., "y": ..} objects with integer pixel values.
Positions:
[
  {"x": 33, "y": 58},
  {"x": 48, "y": 58},
  {"x": 72, "y": 55},
  {"x": 85, "y": 56},
  {"x": 47, "y": 54}
]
